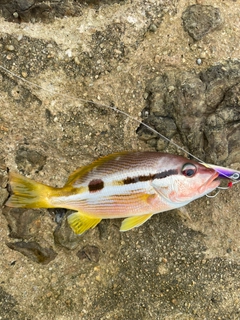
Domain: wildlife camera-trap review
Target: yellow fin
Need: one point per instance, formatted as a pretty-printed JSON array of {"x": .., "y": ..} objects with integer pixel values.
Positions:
[
  {"x": 133, "y": 222},
  {"x": 81, "y": 223},
  {"x": 28, "y": 193}
]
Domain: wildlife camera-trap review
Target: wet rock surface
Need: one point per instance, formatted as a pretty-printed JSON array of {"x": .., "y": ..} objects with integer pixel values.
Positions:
[
  {"x": 33, "y": 251},
  {"x": 8, "y": 306},
  {"x": 34, "y": 10},
  {"x": 179, "y": 276},
  {"x": 199, "y": 20},
  {"x": 23, "y": 223},
  {"x": 63, "y": 236},
  {"x": 26, "y": 159},
  {"x": 89, "y": 253},
  {"x": 201, "y": 111},
  {"x": 131, "y": 55}
]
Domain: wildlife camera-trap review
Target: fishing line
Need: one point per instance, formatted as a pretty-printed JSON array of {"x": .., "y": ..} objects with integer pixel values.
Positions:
[
  {"x": 207, "y": 195},
  {"x": 113, "y": 108}
]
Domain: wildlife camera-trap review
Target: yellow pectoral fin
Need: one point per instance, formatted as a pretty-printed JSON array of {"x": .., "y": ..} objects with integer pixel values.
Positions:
[
  {"x": 133, "y": 222},
  {"x": 81, "y": 223}
]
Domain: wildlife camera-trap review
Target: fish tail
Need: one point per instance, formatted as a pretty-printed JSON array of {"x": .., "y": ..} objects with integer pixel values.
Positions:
[{"x": 27, "y": 193}]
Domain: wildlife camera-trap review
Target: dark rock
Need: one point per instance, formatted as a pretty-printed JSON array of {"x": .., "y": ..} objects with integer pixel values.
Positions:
[
  {"x": 8, "y": 306},
  {"x": 98, "y": 3},
  {"x": 89, "y": 253},
  {"x": 222, "y": 128},
  {"x": 3, "y": 173},
  {"x": 199, "y": 20},
  {"x": 33, "y": 251},
  {"x": 3, "y": 196},
  {"x": 3, "y": 179},
  {"x": 103, "y": 228},
  {"x": 29, "y": 159},
  {"x": 3, "y": 184},
  {"x": 65, "y": 237},
  {"x": 25, "y": 4},
  {"x": 22, "y": 95},
  {"x": 201, "y": 112},
  {"x": 23, "y": 223},
  {"x": 35, "y": 10},
  {"x": 45, "y": 10},
  {"x": 59, "y": 214}
]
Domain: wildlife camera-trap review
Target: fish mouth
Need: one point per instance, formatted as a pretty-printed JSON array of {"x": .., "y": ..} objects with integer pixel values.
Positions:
[{"x": 211, "y": 184}]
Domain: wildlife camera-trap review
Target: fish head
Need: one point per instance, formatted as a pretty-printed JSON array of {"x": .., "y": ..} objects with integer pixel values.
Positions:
[
  {"x": 193, "y": 181},
  {"x": 187, "y": 180}
]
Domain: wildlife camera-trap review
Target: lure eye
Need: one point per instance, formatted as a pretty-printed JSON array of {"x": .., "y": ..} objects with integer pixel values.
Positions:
[
  {"x": 189, "y": 170},
  {"x": 235, "y": 176}
]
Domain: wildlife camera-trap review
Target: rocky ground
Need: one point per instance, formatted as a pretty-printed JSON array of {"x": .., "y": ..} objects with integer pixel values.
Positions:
[{"x": 177, "y": 64}]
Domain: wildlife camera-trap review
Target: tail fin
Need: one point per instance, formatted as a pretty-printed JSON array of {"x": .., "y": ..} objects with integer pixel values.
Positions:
[{"x": 28, "y": 193}]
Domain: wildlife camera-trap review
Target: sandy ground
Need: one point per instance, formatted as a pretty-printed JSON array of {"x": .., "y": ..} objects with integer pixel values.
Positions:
[{"x": 172, "y": 267}]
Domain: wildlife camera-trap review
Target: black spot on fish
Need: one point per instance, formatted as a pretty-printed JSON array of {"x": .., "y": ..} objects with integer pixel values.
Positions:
[{"x": 95, "y": 185}]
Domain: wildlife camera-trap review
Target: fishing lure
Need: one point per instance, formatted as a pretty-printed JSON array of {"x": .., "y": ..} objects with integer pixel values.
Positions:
[
  {"x": 130, "y": 185},
  {"x": 226, "y": 173}
]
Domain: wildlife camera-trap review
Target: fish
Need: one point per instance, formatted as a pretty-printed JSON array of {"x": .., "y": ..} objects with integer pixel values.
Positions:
[{"x": 131, "y": 185}]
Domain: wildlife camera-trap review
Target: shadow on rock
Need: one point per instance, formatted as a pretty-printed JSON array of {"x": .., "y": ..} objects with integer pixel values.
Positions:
[{"x": 34, "y": 251}]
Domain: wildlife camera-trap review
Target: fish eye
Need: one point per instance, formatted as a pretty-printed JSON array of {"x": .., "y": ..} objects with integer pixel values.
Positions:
[{"x": 189, "y": 170}]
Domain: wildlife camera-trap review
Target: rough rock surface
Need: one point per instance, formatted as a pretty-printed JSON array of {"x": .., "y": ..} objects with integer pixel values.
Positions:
[
  {"x": 199, "y": 20},
  {"x": 202, "y": 111},
  {"x": 112, "y": 52},
  {"x": 23, "y": 223},
  {"x": 33, "y": 251}
]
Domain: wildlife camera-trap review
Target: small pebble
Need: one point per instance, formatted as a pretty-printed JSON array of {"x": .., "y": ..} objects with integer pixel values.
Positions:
[
  {"x": 157, "y": 58},
  {"x": 68, "y": 52},
  {"x": 24, "y": 74},
  {"x": 199, "y": 61},
  {"x": 76, "y": 60},
  {"x": 203, "y": 55},
  {"x": 145, "y": 95},
  {"x": 10, "y": 47},
  {"x": 174, "y": 301},
  {"x": 171, "y": 88},
  {"x": 153, "y": 28},
  {"x": 98, "y": 278}
]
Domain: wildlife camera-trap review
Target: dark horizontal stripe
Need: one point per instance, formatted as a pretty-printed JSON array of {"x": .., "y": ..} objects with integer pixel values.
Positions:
[
  {"x": 165, "y": 174},
  {"x": 159, "y": 175},
  {"x": 95, "y": 185}
]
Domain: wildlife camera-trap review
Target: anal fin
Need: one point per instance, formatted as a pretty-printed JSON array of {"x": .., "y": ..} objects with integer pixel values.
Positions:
[
  {"x": 81, "y": 223},
  {"x": 132, "y": 222}
]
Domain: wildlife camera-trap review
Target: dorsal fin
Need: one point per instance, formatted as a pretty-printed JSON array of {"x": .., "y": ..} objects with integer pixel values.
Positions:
[{"x": 82, "y": 171}]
